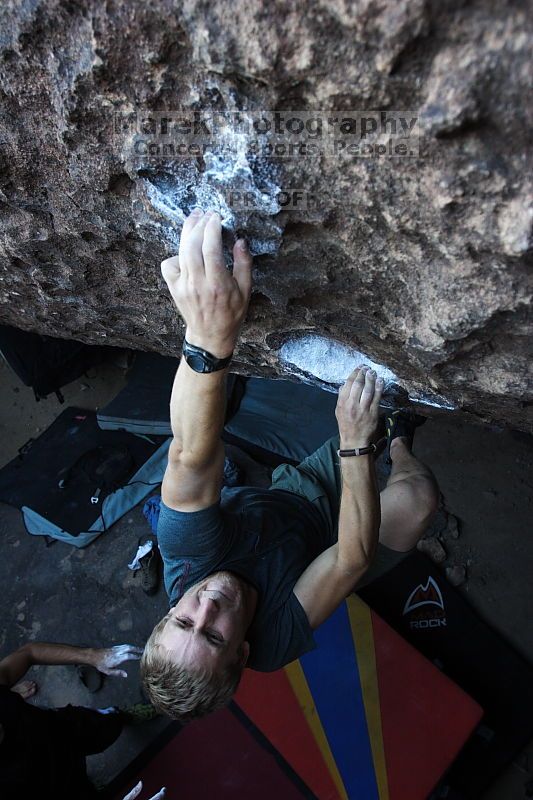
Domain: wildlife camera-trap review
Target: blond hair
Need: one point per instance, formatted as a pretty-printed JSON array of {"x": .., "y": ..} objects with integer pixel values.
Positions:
[{"x": 180, "y": 692}]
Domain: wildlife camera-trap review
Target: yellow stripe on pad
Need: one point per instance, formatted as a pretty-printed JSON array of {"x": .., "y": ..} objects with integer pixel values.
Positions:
[
  {"x": 299, "y": 685},
  {"x": 363, "y": 636}
]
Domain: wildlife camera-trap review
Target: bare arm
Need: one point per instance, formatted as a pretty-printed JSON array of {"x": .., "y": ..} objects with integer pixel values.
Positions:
[
  {"x": 333, "y": 575},
  {"x": 196, "y": 457},
  {"x": 14, "y": 666},
  {"x": 213, "y": 303}
]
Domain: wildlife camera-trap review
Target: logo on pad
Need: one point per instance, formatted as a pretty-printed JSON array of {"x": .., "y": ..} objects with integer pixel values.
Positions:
[{"x": 425, "y": 606}]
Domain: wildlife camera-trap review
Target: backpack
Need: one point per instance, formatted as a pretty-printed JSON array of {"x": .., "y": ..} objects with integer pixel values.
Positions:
[{"x": 45, "y": 363}]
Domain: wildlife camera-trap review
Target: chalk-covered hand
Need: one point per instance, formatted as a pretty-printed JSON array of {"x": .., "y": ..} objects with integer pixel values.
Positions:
[
  {"x": 358, "y": 408},
  {"x": 106, "y": 659},
  {"x": 135, "y": 792},
  {"x": 212, "y": 300}
]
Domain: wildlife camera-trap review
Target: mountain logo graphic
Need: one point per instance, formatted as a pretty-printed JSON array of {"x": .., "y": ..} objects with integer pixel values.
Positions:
[{"x": 428, "y": 595}]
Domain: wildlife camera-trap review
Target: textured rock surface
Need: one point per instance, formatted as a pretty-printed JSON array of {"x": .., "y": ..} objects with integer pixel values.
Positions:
[{"x": 421, "y": 263}]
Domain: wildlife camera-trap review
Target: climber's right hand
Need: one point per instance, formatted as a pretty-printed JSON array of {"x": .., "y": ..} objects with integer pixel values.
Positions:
[
  {"x": 212, "y": 300},
  {"x": 357, "y": 408}
]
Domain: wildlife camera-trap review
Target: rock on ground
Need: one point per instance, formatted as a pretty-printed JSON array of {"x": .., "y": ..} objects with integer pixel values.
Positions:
[{"x": 418, "y": 262}]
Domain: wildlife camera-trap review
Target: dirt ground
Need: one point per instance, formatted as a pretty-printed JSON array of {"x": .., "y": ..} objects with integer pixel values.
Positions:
[{"x": 90, "y": 597}]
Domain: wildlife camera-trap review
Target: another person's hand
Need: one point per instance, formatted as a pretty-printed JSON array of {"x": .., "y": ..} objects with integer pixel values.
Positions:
[
  {"x": 106, "y": 659},
  {"x": 135, "y": 792},
  {"x": 357, "y": 408},
  {"x": 25, "y": 689},
  {"x": 212, "y": 300}
]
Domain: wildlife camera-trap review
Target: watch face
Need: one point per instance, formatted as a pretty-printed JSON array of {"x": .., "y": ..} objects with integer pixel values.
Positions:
[{"x": 197, "y": 363}]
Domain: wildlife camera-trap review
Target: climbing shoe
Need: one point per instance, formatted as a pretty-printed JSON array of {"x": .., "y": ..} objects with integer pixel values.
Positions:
[{"x": 402, "y": 422}]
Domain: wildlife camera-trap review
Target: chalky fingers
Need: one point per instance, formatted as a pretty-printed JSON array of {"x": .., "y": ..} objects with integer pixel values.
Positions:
[
  {"x": 367, "y": 393},
  {"x": 358, "y": 385}
]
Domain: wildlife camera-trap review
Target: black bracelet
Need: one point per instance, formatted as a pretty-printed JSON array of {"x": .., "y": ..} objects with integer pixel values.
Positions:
[{"x": 360, "y": 451}]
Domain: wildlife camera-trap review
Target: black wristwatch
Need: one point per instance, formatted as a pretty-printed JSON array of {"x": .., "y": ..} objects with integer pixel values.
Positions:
[{"x": 201, "y": 361}]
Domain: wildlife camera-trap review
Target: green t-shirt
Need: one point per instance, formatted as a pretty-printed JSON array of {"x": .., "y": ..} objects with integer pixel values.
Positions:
[{"x": 266, "y": 536}]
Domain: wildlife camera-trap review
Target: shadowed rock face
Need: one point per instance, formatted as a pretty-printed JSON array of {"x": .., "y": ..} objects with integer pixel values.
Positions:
[{"x": 418, "y": 262}]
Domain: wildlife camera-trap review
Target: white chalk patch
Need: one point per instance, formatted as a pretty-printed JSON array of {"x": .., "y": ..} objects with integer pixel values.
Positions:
[
  {"x": 225, "y": 168},
  {"x": 332, "y": 362},
  {"x": 328, "y": 360},
  {"x": 227, "y": 185},
  {"x": 164, "y": 203},
  {"x": 434, "y": 400}
]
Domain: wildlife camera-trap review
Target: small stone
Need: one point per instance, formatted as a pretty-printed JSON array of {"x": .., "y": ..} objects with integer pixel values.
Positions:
[
  {"x": 433, "y": 549},
  {"x": 84, "y": 387},
  {"x": 21, "y": 617},
  {"x": 456, "y": 574},
  {"x": 452, "y": 528}
]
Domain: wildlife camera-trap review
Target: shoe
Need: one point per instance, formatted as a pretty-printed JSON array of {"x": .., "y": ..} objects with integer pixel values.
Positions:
[
  {"x": 149, "y": 567},
  {"x": 402, "y": 422}
]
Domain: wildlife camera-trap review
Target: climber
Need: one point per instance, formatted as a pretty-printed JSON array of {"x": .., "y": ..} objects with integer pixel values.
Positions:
[{"x": 252, "y": 572}]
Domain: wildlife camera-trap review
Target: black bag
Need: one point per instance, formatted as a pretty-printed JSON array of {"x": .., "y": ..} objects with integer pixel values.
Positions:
[
  {"x": 44, "y": 363},
  {"x": 75, "y": 480},
  {"x": 102, "y": 470}
]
